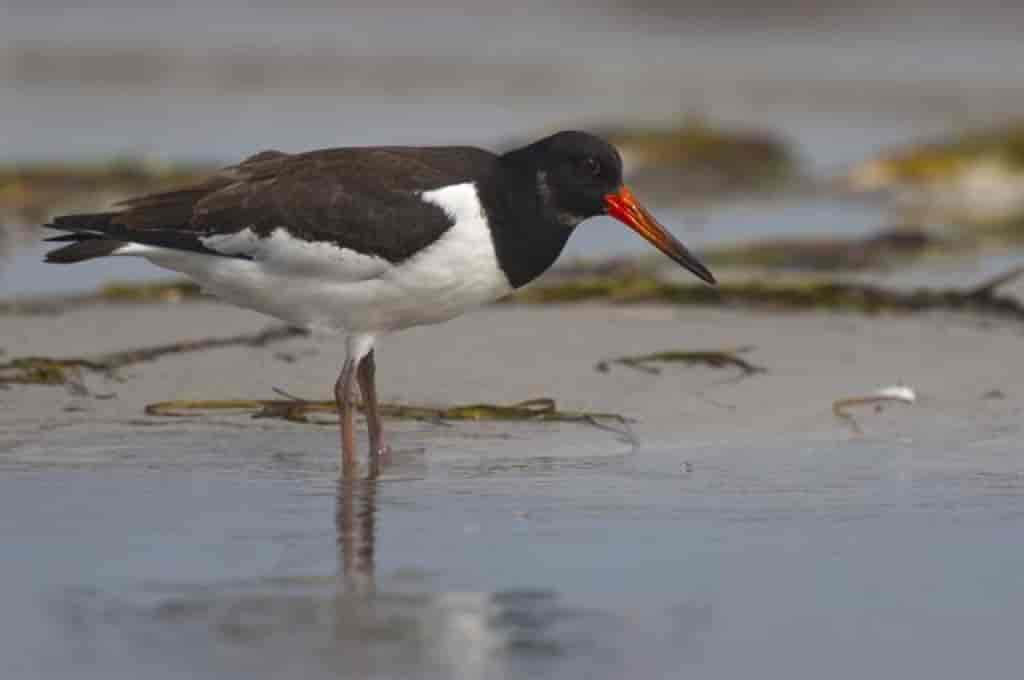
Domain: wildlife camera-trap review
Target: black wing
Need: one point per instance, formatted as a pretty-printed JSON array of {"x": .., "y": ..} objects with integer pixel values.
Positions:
[{"x": 363, "y": 199}]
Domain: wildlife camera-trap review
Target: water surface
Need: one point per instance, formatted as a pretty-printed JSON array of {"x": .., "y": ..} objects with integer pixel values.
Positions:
[{"x": 235, "y": 554}]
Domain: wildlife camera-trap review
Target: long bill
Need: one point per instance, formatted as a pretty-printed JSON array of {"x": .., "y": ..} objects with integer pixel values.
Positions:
[{"x": 623, "y": 206}]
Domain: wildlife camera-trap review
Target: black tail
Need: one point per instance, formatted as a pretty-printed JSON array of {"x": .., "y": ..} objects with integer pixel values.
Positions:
[
  {"x": 87, "y": 239},
  {"x": 100, "y": 234},
  {"x": 85, "y": 247}
]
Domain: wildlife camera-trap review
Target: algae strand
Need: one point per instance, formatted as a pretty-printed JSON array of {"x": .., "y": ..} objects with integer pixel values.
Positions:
[
  {"x": 712, "y": 358},
  {"x": 50, "y": 371},
  {"x": 299, "y": 410},
  {"x": 806, "y": 295}
]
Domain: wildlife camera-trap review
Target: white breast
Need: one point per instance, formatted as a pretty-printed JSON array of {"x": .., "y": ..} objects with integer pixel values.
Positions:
[
  {"x": 460, "y": 270},
  {"x": 321, "y": 284}
]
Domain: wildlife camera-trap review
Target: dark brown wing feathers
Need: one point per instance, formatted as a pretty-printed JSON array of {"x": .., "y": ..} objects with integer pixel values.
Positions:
[{"x": 364, "y": 199}]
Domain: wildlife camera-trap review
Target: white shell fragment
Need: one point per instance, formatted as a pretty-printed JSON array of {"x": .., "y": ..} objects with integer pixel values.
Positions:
[{"x": 897, "y": 392}]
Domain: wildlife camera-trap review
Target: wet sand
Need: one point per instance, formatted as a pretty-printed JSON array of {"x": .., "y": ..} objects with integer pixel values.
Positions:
[
  {"x": 510, "y": 353},
  {"x": 745, "y": 516}
]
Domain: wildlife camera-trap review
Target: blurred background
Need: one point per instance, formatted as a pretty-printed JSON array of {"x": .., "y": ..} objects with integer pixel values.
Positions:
[{"x": 742, "y": 122}]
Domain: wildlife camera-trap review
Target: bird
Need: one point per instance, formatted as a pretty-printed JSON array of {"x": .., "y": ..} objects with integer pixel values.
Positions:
[{"x": 371, "y": 240}]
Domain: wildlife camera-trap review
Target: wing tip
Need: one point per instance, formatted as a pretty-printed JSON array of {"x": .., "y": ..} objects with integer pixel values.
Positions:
[{"x": 88, "y": 247}]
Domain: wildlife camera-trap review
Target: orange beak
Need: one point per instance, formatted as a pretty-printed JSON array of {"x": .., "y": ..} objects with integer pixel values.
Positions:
[{"x": 623, "y": 206}]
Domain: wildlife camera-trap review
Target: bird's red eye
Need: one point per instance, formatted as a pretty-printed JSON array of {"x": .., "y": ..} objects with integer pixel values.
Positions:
[{"x": 593, "y": 166}]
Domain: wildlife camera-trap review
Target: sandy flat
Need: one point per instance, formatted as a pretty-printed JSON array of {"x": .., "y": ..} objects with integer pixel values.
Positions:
[{"x": 963, "y": 369}]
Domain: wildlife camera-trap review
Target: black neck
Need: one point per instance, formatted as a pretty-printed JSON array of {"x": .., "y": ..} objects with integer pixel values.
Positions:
[{"x": 528, "y": 236}]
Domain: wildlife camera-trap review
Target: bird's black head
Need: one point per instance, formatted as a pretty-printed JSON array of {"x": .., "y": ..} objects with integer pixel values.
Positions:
[
  {"x": 574, "y": 171},
  {"x": 578, "y": 175}
]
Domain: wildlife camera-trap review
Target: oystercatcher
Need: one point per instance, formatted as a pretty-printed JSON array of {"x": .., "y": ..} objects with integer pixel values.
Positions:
[{"x": 373, "y": 240}]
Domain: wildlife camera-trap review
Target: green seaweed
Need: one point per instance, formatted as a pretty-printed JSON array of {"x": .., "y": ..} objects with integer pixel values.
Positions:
[
  {"x": 160, "y": 291},
  {"x": 883, "y": 249},
  {"x": 969, "y": 181},
  {"x": 945, "y": 155},
  {"x": 712, "y": 358},
  {"x": 807, "y": 295},
  {"x": 1008, "y": 231},
  {"x": 38, "y": 371},
  {"x": 115, "y": 292},
  {"x": 740, "y": 157},
  {"x": 299, "y": 410},
  {"x": 50, "y": 371}
]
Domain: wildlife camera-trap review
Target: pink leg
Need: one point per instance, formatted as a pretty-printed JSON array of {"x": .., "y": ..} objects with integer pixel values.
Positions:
[
  {"x": 343, "y": 398},
  {"x": 366, "y": 374}
]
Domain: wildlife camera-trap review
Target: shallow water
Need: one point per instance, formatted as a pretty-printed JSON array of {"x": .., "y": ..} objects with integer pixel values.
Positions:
[{"x": 234, "y": 554}]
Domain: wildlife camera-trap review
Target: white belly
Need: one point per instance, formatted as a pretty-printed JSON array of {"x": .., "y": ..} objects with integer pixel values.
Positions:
[{"x": 322, "y": 285}]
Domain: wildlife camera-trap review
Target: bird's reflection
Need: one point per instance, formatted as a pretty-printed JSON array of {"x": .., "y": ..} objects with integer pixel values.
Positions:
[{"x": 356, "y": 527}]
